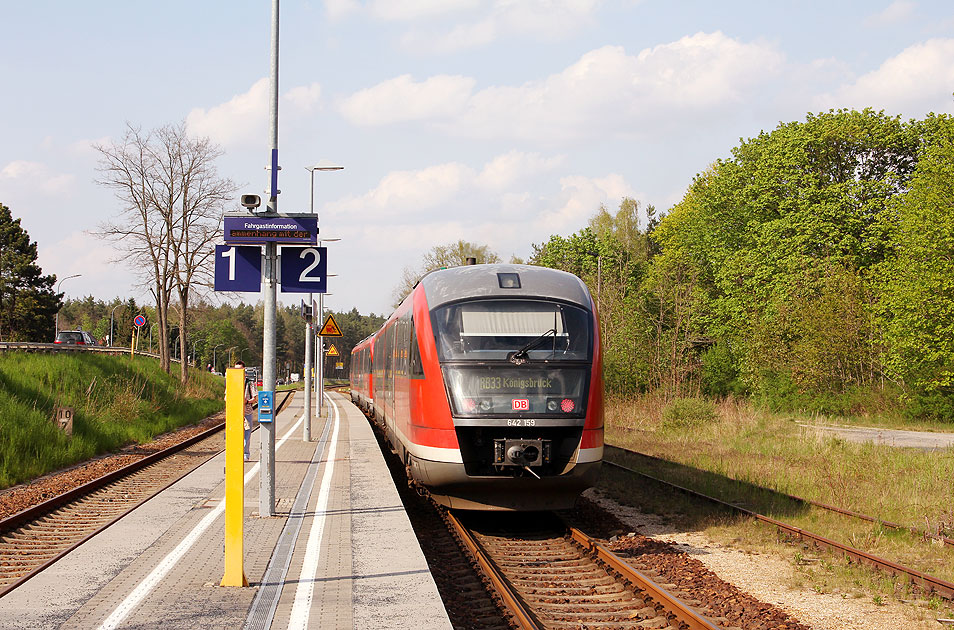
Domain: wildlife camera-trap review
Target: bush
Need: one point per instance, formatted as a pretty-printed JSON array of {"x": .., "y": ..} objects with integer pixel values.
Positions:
[
  {"x": 685, "y": 413},
  {"x": 720, "y": 373}
]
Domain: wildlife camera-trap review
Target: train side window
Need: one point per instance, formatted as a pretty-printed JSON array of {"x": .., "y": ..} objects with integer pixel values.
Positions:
[{"x": 417, "y": 366}]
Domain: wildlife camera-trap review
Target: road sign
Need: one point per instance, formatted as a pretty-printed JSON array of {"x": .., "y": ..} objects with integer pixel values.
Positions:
[
  {"x": 238, "y": 268},
  {"x": 304, "y": 269},
  {"x": 140, "y": 321},
  {"x": 330, "y": 328},
  {"x": 247, "y": 230},
  {"x": 339, "y": 365},
  {"x": 333, "y": 352}
]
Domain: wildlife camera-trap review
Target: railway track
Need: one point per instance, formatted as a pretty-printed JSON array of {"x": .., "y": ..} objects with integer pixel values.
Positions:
[
  {"x": 927, "y": 583},
  {"x": 554, "y": 577},
  {"x": 35, "y": 538}
]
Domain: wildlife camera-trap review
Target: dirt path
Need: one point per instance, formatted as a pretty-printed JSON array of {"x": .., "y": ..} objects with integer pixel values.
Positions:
[{"x": 890, "y": 437}]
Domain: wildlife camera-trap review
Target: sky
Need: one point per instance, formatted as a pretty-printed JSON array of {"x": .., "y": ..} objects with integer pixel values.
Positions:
[{"x": 500, "y": 122}]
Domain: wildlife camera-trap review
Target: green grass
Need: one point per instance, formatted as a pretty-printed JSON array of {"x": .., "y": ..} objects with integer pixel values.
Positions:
[
  {"x": 117, "y": 400},
  {"x": 749, "y": 456}
]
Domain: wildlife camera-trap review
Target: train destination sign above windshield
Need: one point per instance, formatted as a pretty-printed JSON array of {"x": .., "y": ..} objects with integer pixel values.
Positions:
[{"x": 285, "y": 229}]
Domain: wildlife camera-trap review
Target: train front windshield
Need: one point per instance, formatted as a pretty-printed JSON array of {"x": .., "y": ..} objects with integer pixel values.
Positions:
[{"x": 515, "y": 357}]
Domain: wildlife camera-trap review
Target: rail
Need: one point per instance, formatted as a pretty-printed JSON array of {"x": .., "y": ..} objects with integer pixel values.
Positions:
[{"x": 924, "y": 581}]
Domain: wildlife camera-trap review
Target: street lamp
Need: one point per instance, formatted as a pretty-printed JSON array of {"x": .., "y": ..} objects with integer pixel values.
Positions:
[
  {"x": 230, "y": 354},
  {"x": 56, "y": 318},
  {"x": 322, "y": 165},
  {"x": 111, "y": 323},
  {"x": 213, "y": 355}
]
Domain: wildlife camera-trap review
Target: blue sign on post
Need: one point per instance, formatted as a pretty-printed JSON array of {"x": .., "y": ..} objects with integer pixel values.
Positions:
[
  {"x": 265, "y": 411},
  {"x": 238, "y": 268},
  {"x": 304, "y": 269}
]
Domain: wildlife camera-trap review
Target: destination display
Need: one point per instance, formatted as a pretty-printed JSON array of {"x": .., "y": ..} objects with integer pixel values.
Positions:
[
  {"x": 247, "y": 230},
  {"x": 497, "y": 390}
]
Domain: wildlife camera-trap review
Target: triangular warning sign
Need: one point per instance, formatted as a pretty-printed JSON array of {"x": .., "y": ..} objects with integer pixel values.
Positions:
[
  {"x": 332, "y": 351},
  {"x": 330, "y": 328}
]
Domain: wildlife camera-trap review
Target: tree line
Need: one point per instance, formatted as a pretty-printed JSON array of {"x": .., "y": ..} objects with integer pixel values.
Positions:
[
  {"x": 812, "y": 268},
  {"x": 218, "y": 335}
]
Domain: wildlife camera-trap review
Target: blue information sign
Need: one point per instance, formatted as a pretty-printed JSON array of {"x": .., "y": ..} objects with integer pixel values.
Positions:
[
  {"x": 246, "y": 229},
  {"x": 304, "y": 269},
  {"x": 265, "y": 411},
  {"x": 238, "y": 268}
]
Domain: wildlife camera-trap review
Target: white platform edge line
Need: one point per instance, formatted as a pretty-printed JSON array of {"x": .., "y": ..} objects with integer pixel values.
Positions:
[{"x": 301, "y": 609}]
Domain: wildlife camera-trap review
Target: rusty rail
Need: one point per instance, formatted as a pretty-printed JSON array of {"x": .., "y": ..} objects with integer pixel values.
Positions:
[
  {"x": 926, "y": 582},
  {"x": 671, "y": 603},
  {"x": 522, "y": 617}
]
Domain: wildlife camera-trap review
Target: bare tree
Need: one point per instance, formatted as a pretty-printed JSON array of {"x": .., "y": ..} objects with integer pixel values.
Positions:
[
  {"x": 440, "y": 256},
  {"x": 172, "y": 200}
]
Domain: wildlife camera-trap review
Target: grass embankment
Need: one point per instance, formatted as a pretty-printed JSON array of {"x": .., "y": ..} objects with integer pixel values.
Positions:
[
  {"x": 742, "y": 455},
  {"x": 116, "y": 400}
]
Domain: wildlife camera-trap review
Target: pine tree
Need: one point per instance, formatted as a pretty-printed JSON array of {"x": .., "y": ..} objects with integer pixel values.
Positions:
[{"x": 27, "y": 301}]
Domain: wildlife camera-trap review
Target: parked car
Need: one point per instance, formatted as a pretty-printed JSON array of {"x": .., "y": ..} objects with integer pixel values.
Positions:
[{"x": 75, "y": 338}]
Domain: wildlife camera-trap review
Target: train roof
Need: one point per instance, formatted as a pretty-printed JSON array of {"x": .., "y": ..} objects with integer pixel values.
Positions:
[{"x": 480, "y": 281}]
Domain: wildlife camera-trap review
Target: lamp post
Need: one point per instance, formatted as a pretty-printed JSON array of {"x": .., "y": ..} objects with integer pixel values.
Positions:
[
  {"x": 230, "y": 354},
  {"x": 111, "y": 323},
  {"x": 56, "y": 318},
  {"x": 214, "y": 366},
  {"x": 322, "y": 165}
]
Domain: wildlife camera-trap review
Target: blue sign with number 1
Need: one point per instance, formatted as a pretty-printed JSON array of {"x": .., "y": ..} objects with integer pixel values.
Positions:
[
  {"x": 238, "y": 268},
  {"x": 304, "y": 269}
]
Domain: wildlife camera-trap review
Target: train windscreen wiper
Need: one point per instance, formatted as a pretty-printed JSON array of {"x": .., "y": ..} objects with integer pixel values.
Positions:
[{"x": 520, "y": 356}]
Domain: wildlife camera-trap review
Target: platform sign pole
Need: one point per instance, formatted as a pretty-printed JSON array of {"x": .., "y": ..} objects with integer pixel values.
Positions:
[
  {"x": 266, "y": 493},
  {"x": 234, "y": 477}
]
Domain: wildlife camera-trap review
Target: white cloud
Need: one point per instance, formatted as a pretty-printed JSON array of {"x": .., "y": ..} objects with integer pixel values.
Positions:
[
  {"x": 543, "y": 19},
  {"x": 897, "y": 11},
  {"x": 579, "y": 199},
  {"x": 35, "y": 176},
  {"x": 606, "y": 91},
  {"x": 245, "y": 116},
  {"x": 19, "y": 169},
  {"x": 402, "y": 99},
  {"x": 507, "y": 169},
  {"x": 411, "y": 10},
  {"x": 338, "y": 9},
  {"x": 915, "y": 81}
]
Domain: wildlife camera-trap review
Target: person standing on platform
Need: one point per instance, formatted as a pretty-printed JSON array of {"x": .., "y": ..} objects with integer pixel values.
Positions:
[{"x": 249, "y": 396}]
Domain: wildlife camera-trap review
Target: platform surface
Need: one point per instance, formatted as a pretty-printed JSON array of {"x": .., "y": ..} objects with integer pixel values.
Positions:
[{"x": 339, "y": 553}]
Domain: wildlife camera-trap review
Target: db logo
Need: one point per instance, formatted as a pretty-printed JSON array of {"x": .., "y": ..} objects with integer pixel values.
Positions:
[{"x": 520, "y": 404}]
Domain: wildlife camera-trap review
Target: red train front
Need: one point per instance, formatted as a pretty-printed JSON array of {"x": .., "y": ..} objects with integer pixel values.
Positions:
[{"x": 487, "y": 382}]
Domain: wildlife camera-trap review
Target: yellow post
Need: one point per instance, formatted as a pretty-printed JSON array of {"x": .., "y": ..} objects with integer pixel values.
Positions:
[{"x": 234, "y": 477}]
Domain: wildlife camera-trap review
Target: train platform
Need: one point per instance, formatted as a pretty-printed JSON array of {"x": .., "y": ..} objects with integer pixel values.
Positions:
[{"x": 339, "y": 553}]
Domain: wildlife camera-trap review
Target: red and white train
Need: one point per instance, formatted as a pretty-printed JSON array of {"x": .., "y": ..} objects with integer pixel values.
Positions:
[{"x": 487, "y": 382}]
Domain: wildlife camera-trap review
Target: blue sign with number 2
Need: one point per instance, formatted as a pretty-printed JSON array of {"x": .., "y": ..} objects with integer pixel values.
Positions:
[{"x": 304, "y": 269}]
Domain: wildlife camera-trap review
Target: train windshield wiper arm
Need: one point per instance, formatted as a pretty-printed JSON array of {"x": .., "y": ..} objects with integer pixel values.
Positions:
[{"x": 520, "y": 356}]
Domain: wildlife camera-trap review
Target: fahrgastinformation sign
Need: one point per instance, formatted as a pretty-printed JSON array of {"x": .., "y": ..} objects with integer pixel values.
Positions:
[{"x": 281, "y": 229}]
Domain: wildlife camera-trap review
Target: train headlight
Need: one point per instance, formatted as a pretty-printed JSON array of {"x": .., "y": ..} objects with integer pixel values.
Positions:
[
  {"x": 567, "y": 405},
  {"x": 485, "y": 405},
  {"x": 470, "y": 405},
  {"x": 552, "y": 405}
]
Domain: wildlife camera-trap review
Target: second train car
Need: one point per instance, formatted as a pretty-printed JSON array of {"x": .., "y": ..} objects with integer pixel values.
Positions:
[{"x": 487, "y": 381}]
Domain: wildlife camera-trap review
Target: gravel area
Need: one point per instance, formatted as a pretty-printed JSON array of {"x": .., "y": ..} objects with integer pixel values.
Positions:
[
  {"x": 23, "y": 496},
  {"x": 770, "y": 578}
]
